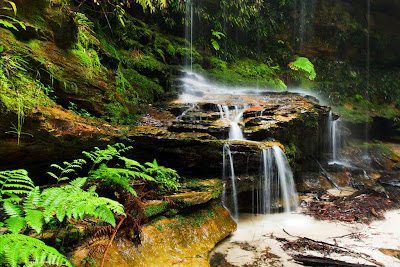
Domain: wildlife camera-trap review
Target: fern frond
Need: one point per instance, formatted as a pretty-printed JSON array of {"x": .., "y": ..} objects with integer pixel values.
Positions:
[
  {"x": 33, "y": 199},
  {"x": 20, "y": 249},
  {"x": 99, "y": 155},
  {"x": 15, "y": 224},
  {"x": 115, "y": 176},
  {"x": 69, "y": 168},
  {"x": 57, "y": 166},
  {"x": 35, "y": 219},
  {"x": 15, "y": 182},
  {"x": 52, "y": 175},
  {"x": 303, "y": 64},
  {"x": 73, "y": 202},
  {"x": 78, "y": 183},
  {"x": 132, "y": 164},
  {"x": 12, "y": 210}
]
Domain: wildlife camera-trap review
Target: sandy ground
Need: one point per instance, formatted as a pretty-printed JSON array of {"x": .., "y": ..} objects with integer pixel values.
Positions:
[{"x": 256, "y": 236}]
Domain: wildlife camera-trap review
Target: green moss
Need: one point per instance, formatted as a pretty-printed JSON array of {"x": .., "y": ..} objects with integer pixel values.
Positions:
[
  {"x": 157, "y": 209},
  {"x": 246, "y": 72},
  {"x": 118, "y": 114},
  {"x": 145, "y": 89},
  {"x": 159, "y": 227},
  {"x": 145, "y": 63},
  {"x": 89, "y": 59}
]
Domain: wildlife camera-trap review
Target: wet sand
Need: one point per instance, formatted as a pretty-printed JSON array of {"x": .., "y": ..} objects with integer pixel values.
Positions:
[{"x": 256, "y": 236}]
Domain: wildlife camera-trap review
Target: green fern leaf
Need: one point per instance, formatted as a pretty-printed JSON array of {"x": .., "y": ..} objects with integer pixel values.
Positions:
[
  {"x": 105, "y": 214},
  {"x": 34, "y": 219},
  {"x": 15, "y": 224},
  {"x": 57, "y": 166},
  {"x": 74, "y": 202},
  {"x": 20, "y": 249},
  {"x": 78, "y": 183},
  {"x": 52, "y": 175},
  {"x": 12, "y": 210},
  {"x": 33, "y": 199},
  {"x": 303, "y": 64},
  {"x": 15, "y": 182}
]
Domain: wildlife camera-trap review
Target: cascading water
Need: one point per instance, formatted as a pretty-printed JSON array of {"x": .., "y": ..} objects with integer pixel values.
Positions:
[
  {"x": 276, "y": 190},
  {"x": 233, "y": 118},
  {"x": 335, "y": 139},
  {"x": 189, "y": 33},
  {"x": 304, "y": 26},
  {"x": 232, "y": 202},
  {"x": 286, "y": 179},
  {"x": 276, "y": 184}
]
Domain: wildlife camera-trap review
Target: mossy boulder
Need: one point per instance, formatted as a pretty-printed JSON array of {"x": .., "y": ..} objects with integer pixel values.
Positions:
[{"x": 183, "y": 240}]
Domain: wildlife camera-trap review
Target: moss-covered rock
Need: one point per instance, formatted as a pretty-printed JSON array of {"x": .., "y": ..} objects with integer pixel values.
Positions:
[{"x": 184, "y": 239}]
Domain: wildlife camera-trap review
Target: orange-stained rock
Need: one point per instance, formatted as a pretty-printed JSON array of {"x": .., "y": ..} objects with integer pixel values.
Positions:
[{"x": 181, "y": 241}]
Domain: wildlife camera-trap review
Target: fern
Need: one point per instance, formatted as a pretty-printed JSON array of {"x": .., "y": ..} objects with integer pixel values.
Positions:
[
  {"x": 73, "y": 202},
  {"x": 167, "y": 178},
  {"x": 100, "y": 155},
  {"x": 14, "y": 182},
  {"x": 303, "y": 64},
  {"x": 114, "y": 176},
  {"x": 69, "y": 168},
  {"x": 17, "y": 248},
  {"x": 26, "y": 215}
]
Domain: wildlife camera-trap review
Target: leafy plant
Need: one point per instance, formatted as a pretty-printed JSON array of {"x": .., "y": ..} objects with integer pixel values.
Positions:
[
  {"x": 14, "y": 182},
  {"x": 73, "y": 202},
  {"x": 80, "y": 112},
  {"x": 100, "y": 155},
  {"x": 16, "y": 249},
  {"x": 118, "y": 176},
  {"x": 167, "y": 178},
  {"x": 303, "y": 64},
  {"x": 39, "y": 208},
  {"x": 17, "y": 129},
  {"x": 214, "y": 42},
  {"x": 69, "y": 168},
  {"x": 8, "y": 21}
]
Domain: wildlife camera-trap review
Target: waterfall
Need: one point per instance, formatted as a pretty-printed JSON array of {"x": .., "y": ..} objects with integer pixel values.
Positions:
[
  {"x": 286, "y": 180},
  {"x": 335, "y": 138},
  {"x": 189, "y": 33},
  {"x": 276, "y": 183},
  {"x": 233, "y": 208},
  {"x": 233, "y": 118},
  {"x": 304, "y": 24}
]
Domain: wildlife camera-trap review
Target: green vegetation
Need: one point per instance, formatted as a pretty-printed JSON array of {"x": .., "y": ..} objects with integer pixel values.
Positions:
[
  {"x": 39, "y": 207},
  {"x": 29, "y": 207},
  {"x": 304, "y": 65},
  {"x": 9, "y": 20}
]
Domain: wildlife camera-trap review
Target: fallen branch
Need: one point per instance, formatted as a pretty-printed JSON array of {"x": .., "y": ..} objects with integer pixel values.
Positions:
[
  {"x": 328, "y": 177},
  {"x": 323, "y": 261},
  {"x": 303, "y": 241}
]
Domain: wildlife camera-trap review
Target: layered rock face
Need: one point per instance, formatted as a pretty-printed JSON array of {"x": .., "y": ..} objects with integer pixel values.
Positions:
[{"x": 189, "y": 133}]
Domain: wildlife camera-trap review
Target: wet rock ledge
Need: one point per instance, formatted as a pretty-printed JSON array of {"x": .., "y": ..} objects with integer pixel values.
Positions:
[{"x": 175, "y": 238}]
